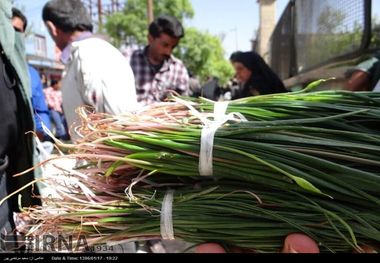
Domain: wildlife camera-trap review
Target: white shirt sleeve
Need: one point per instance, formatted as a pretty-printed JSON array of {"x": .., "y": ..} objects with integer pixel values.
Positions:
[
  {"x": 367, "y": 64},
  {"x": 108, "y": 80}
]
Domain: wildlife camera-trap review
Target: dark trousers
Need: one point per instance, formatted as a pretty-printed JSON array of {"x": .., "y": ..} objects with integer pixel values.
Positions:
[
  {"x": 8, "y": 240},
  {"x": 59, "y": 122}
]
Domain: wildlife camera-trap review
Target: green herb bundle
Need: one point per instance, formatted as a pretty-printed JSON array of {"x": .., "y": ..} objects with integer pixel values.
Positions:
[{"x": 302, "y": 162}]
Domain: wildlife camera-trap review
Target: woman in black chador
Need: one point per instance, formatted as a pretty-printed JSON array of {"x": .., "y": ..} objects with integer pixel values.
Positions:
[{"x": 255, "y": 76}]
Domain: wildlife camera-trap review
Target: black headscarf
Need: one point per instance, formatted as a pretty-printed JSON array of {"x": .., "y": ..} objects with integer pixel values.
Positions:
[{"x": 263, "y": 79}]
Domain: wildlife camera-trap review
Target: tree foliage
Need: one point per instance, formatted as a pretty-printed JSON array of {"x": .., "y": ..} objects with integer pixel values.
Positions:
[
  {"x": 330, "y": 20},
  {"x": 375, "y": 40},
  {"x": 132, "y": 24},
  {"x": 334, "y": 38},
  {"x": 201, "y": 52}
]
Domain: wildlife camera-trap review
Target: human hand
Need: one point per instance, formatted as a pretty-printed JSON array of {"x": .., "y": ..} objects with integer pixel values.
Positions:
[
  {"x": 294, "y": 243},
  {"x": 359, "y": 81}
]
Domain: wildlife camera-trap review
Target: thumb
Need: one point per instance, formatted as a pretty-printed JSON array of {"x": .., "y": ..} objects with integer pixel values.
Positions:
[
  {"x": 299, "y": 243},
  {"x": 210, "y": 248}
]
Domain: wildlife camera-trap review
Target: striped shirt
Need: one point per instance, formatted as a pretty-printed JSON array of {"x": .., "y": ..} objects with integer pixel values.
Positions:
[
  {"x": 155, "y": 85},
  {"x": 53, "y": 99}
]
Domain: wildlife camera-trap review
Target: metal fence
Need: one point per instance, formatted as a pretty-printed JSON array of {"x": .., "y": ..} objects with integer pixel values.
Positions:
[
  {"x": 375, "y": 25},
  {"x": 282, "y": 45},
  {"x": 313, "y": 33}
]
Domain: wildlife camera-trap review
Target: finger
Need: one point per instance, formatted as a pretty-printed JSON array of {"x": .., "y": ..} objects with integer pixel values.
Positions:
[
  {"x": 299, "y": 243},
  {"x": 367, "y": 249},
  {"x": 210, "y": 248}
]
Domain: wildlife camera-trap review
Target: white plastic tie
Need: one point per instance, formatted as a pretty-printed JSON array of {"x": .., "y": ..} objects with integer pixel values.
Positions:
[
  {"x": 209, "y": 129},
  {"x": 166, "y": 226},
  {"x": 193, "y": 111},
  {"x": 207, "y": 138}
]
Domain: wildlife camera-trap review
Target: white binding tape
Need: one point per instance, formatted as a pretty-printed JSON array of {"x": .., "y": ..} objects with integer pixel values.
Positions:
[
  {"x": 166, "y": 226},
  {"x": 207, "y": 138},
  {"x": 209, "y": 129},
  {"x": 205, "y": 165}
]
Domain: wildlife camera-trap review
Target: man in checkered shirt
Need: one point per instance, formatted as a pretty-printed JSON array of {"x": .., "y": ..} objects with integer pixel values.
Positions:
[{"x": 157, "y": 72}]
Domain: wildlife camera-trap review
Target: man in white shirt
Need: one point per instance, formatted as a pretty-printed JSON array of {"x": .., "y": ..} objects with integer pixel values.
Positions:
[{"x": 96, "y": 73}]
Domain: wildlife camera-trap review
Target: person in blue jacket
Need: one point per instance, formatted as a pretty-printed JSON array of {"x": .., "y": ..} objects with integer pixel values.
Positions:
[{"x": 41, "y": 111}]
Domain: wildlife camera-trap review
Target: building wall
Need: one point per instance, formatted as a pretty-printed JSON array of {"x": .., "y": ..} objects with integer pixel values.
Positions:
[{"x": 266, "y": 27}]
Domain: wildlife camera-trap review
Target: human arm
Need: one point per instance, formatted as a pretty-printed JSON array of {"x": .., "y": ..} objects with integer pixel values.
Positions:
[
  {"x": 360, "y": 77},
  {"x": 40, "y": 109},
  {"x": 359, "y": 81},
  {"x": 183, "y": 80}
]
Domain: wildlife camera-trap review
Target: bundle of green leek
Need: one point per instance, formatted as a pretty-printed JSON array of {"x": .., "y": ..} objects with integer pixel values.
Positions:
[{"x": 246, "y": 175}]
